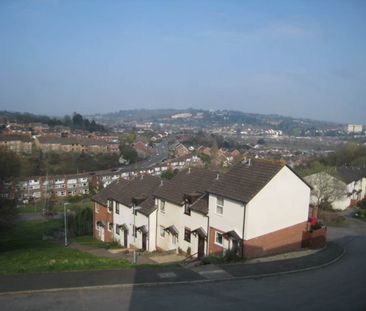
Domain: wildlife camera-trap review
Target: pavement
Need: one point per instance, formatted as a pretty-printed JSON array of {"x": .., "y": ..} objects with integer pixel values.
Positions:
[{"x": 40, "y": 282}]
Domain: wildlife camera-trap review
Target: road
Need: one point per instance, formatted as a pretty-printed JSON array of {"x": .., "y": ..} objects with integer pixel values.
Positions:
[{"x": 336, "y": 287}]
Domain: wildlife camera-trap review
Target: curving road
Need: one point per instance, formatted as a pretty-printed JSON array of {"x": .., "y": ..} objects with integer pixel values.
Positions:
[{"x": 340, "y": 286}]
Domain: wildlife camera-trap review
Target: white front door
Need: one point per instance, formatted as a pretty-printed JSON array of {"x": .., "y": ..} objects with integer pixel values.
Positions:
[
  {"x": 101, "y": 233},
  {"x": 174, "y": 241}
]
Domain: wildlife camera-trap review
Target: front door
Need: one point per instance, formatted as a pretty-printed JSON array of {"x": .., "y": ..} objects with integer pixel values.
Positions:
[
  {"x": 174, "y": 241},
  {"x": 144, "y": 241},
  {"x": 201, "y": 247},
  {"x": 101, "y": 233},
  {"x": 125, "y": 238}
]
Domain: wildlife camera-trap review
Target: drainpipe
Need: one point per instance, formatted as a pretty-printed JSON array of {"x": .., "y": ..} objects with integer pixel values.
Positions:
[
  {"x": 148, "y": 236},
  {"x": 244, "y": 216},
  {"x": 208, "y": 234}
]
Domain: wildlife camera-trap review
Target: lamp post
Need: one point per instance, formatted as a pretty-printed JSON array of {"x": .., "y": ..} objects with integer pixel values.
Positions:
[
  {"x": 65, "y": 222},
  {"x": 134, "y": 209}
]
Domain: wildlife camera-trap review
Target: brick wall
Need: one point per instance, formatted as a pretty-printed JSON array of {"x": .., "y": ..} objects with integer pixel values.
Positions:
[
  {"x": 106, "y": 218},
  {"x": 213, "y": 248},
  {"x": 284, "y": 240}
]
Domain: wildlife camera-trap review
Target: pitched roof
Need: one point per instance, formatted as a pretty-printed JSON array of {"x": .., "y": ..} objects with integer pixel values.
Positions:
[
  {"x": 16, "y": 137},
  {"x": 140, "y": 188},
  {"x": 110, "y": 191},
  {"x": 201, "y": 205},
  {"x": 195, "y": 180},
  {"x": 245, "y": 180},
  {"x": 349, "y": 174}
]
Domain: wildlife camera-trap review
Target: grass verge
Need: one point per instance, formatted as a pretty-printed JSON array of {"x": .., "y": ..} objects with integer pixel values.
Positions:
[{"x": 24, "y": 249}]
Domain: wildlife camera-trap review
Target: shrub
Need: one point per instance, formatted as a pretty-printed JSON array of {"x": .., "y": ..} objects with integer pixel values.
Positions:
[{"x": 362, "y": 203}]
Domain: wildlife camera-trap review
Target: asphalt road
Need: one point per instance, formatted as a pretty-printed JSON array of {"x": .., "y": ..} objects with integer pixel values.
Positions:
[{"x": 337, "y": 287}]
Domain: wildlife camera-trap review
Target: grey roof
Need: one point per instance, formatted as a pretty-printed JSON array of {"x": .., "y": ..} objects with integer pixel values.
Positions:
[
  {"x": 245, "y": 180},
  {"x": 201, "y": 205},
  {"x": 72, "y": 141},
  {"x": 349, "y": 174},
  {"x": 16, "y": 137},
  {"x": 110, "y": 191},
  {"x": 195, "y": 180}
]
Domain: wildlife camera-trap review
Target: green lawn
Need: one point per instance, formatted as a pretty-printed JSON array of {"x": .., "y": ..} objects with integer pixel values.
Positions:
[
  {"x": 24, "y": 250},
  {"x": 89, "y": 240}
]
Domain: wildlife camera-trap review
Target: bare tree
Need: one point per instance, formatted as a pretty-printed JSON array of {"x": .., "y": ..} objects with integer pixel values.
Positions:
[{"x": 326, "y": 188}]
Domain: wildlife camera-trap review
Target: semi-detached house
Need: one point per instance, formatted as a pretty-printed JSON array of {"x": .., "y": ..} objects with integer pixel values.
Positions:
[{"x": 257, "y": 208}]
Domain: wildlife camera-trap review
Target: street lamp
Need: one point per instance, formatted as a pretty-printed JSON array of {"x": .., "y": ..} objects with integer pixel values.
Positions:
[
  {"x": 134, "y": 209},
  {"x": 65, "y": 222}
]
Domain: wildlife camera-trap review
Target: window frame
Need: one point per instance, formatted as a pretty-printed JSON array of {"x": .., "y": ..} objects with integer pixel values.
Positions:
[
  {"x": 217, "y": 234},
  {"x": 117, "y": 208},
  {"x": 218, "y": 205},
  {"x": 117, "y": 229},
  {"x": 162, "y": 232},
  {"x": 162, "y": 206},
  {"x": 187, "y": 233}
]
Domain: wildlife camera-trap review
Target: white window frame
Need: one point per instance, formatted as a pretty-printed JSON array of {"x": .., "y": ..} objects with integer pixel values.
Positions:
[
  {"x": 162, "y": 232},
  {"x": 97, "y": 209},
  {"x": 162, "y": 206},
  {"x": 217, "y": 233},
  {"x": 117, "y": 208},
  {"x": 218, "y": 205},
  {"x": 110, "y": 206},
  {"x": 109, "y": 228}
]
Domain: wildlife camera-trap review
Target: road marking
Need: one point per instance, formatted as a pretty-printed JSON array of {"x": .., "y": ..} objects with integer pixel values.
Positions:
[{"x": 167, "y": 275}]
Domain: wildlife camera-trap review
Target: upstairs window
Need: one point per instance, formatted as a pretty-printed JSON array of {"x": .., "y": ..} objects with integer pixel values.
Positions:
[
  {"x": 219, "y": 205},
  {"x": 110, "y": 206},
  {"x": 117, "y": 208},
  {"x": 162, "y": 206}
]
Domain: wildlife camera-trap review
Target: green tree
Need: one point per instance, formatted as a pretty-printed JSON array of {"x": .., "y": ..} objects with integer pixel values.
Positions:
[{"x": 9, "y": 164}]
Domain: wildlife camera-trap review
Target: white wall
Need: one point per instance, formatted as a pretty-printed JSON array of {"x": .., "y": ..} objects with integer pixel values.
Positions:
[
  {"x": 174, "y": 215},
  {"x": 232, "y": 217},
  {"x": 282, "y": 203},
  {"x": 125, "y": 216}
]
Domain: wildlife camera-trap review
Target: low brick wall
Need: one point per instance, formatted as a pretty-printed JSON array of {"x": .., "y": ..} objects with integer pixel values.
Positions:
[
  {"x": 280, "y": 241},
  {"x": 315, "y": 238}
]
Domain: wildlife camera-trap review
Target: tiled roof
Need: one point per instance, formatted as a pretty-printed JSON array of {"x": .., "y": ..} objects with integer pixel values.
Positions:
[
  {"x": 188, "y": 181},
  {"x": 72, "y": 141},
  {"x": 14, "y": 137},
  {"x": 201, "y": 205},
  {"x": 349, "y": 174},
  {"x": 110, "y": 191},
  {"x": 245, "y": 180}
]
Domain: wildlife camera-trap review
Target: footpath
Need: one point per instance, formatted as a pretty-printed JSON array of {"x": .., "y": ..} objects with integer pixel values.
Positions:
[{"x": 168, "y": 275}]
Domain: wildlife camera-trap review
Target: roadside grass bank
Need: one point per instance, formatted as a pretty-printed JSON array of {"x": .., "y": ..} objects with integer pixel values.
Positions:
[{"x": 30, "y": 247}]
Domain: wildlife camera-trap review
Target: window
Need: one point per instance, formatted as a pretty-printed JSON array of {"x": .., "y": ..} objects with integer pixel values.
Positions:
[
  {"x": 96, "y": 225},
  {"x": 117, "y": 208},
  {"x": 187, "y": 234},
  {"x": 97, "y": 209},
  {"x": 110, "y": 226},
  {"x": 117, "y": 229},
  {"x": 187, "y": 209},
  {"x": 220, "y": 205},
  {"x": 134, "y": 231},
  {"x": 162, "y": 232},
  {"x": 110, "y": 206},
  {"x": 162, "y": 206},
  {"x": 218, "y": 238}
]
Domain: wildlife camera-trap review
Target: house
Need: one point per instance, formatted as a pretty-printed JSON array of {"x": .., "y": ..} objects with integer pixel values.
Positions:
[
  {"x": 181, "y": 150},
  {"x": 182, "y": 220},
  {"x": 355, "y": 178},
  {"x": 343, "y": 188},
  {"x": 258, "y": 208},
  {"x": 17, "y": 143},
  {"x": 142, "y": 149},
  {"x": 102, "y": 215},
  {"x": 124, "y": 212}
]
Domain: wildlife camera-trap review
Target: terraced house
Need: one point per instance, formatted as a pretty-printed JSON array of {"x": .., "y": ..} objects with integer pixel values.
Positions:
[{"x": 259, "y": 207}]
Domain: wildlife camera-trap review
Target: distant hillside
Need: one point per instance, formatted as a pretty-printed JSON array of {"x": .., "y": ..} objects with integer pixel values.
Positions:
[{"x": 220, "y": 118}]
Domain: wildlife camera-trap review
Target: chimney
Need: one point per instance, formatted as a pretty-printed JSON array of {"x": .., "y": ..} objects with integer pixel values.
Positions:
[
  {"x": 217, "y": 176},
  {"x": 189, "y": 170},
  {"x": 161, "y": 183},
  {"x": 249, "y": 162},
  {"x": 142, "y": 176}
]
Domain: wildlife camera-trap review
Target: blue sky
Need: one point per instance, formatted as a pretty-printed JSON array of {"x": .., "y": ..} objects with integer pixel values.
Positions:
[{"x": 296, "y": 58}]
